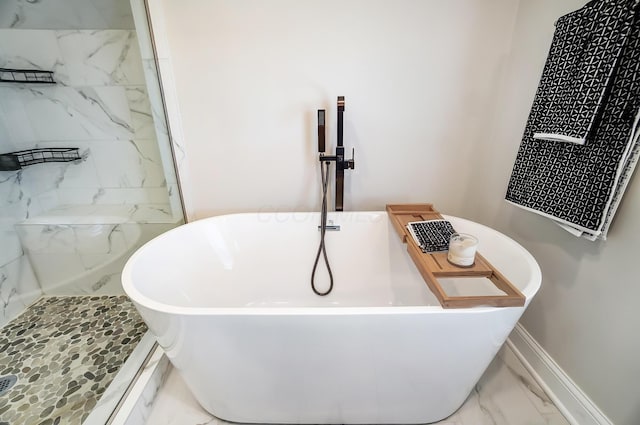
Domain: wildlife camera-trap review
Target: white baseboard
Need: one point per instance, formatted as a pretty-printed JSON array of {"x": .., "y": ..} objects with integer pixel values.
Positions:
[{"x": 565, "y": 394}]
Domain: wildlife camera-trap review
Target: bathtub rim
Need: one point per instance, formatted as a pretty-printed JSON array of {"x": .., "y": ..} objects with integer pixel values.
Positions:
[{"x": 529, "y": 291}]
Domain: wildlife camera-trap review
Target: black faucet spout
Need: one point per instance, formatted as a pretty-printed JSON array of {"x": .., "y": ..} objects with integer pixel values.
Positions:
[{"x": 329, "y": 158}]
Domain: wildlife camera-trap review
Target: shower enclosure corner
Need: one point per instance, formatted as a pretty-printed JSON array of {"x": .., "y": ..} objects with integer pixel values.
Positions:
[{"x": 87, "y": 176}]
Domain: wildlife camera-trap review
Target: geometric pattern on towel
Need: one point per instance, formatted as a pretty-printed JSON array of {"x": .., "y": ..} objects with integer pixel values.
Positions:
[
  {"x": 577, "y": 184},
  {"x": 586, "y": 46},
  {"x": 431, "y": 235},
  {"x": 627, "y": 172}
]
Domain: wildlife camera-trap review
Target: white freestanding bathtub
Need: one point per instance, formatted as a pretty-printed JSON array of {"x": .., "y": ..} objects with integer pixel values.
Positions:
[{"x": 229, "y": 300}]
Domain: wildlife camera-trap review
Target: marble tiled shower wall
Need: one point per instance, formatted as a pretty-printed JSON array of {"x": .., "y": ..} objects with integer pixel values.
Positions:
[{"x": 100, "y": 105}]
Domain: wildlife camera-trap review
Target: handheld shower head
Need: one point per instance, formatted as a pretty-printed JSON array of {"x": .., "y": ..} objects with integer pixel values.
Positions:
[{"x": 321, "y": 147}]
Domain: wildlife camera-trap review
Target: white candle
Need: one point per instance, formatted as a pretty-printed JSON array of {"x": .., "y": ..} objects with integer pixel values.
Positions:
[{"x": 462, "y": 249}]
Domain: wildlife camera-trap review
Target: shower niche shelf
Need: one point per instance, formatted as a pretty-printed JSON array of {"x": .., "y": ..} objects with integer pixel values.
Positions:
[
  {"x": 26, "y": 76},
  {"x": 434, "y": 266},
  {"x": 16, "y": 160}
]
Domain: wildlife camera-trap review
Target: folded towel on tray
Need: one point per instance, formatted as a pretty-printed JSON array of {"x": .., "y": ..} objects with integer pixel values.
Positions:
[
  {"x": 431, "y": 235},
  {"x": 579, "y": 186}
]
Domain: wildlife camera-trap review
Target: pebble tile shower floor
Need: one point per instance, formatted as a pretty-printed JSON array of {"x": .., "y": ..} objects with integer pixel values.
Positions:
[{"x": 65, "y": 352}]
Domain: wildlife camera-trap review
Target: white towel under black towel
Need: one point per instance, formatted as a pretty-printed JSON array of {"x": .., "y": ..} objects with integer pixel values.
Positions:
[{"x": 580, "y": 185}]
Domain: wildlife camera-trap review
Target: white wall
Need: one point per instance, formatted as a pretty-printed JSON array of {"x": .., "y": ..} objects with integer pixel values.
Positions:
[
  {"x": 437, "y": 95},
  {"x": 586, "y": 315},
  {"x": 418, "y": 77}
]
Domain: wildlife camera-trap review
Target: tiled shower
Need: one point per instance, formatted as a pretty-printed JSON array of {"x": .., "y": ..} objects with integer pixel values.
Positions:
[{"x": 67, "y": 228}]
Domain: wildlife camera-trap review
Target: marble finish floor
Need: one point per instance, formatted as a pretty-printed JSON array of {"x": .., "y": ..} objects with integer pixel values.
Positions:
[
  {"x": 505, "y": 395},
  {"x": 65, "y": 351}
]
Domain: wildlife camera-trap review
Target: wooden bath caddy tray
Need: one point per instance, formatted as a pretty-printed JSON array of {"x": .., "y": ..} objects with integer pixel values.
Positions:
[{"x": 435, "y": 265}]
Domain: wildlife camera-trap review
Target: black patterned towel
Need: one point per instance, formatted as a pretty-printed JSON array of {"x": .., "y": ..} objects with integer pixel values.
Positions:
[
  {"x": 431, "y": 235},
  {"x": 580, "y": 186},
  {"x": 578, "y": 73}
]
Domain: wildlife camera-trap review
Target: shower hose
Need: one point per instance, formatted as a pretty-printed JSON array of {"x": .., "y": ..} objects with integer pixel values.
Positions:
[{"x": 323, "y": 228}]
